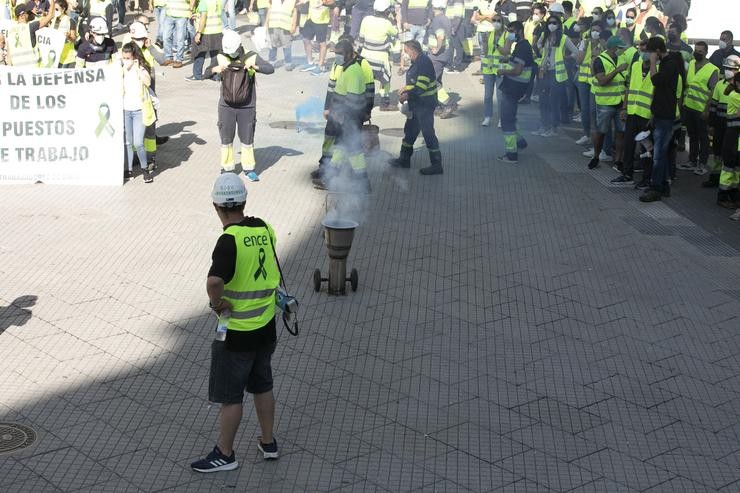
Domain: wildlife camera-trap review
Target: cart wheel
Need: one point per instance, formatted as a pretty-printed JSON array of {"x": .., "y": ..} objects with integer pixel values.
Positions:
[
  {"x": 353, "y": 279},
  {"x": 317, "y": 280}
]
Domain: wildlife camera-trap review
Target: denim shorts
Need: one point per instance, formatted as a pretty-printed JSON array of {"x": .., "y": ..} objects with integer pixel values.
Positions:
[
  {"x": 604, "y": 115},
  {"x": 234, "y": 372}
]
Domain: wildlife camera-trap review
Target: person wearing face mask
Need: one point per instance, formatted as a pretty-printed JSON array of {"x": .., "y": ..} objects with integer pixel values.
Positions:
[
  {"x": 646, "y": 10},
  {"x": 64, "y": 24},
  {"x": 552, "y": 76},
  {"x": 636, "y": 112},
  {"x": 21, "y": 52},
  {"x": 629, "y": 21},
  {"x": 138, "y": 111},
  {"x": 725, "y": 49},
  {"x": 482, "y": 20},
  {"x": 420, "y": 92},
  {"x": 588, "y": 48},
  {"x": 729, "y": 179},
  {"x": 523, "y": 10},
  {"x": 101, "y": 8},
  {"x": 490, "y": 63},
  {"x": 609, "y": 90},
  {"x": 534, "y": 25},
  {"x": 515, "y": 78},
  {"x": 718, "y": 119},
  {"x": 610, "y": 20},
  {"x": 597, "y": 15},
  {"x": 98, "y": 49},
  {"x": 666, "y": 73},
  {"x": 701, "y": 77}
]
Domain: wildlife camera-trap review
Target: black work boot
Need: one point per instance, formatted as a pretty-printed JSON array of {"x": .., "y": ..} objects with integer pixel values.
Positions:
[
  {"x": 435, "y": 157},
  {"x": 404, "y": 159}
]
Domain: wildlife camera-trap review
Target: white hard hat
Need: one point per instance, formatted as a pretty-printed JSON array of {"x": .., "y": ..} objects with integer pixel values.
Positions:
[
  {"x": 439, "y": 4},
  {"x": 229, "y": 190},
  {"x": 381, "y": 5},
  {"x": 98, "y": 26},
  {"x": 137, "y": 30},
  {"x": 732, "y": 61},
  {"x": 557, "y": 8},
  {"x": 231, "y": 42}
]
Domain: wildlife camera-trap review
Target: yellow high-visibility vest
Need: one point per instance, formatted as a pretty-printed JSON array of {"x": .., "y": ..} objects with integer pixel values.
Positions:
[{"x": 698, "y": 91}]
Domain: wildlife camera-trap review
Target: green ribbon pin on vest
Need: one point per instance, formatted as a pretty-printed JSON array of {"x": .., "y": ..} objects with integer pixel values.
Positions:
[
  {"x": 261, "y": 269},
  {"x": 51, "y": 59},
  {"x": 104, "y": 122}
]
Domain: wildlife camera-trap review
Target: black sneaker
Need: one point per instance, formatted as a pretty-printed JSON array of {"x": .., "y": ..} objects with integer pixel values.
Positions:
[
  {"x": 191, "y": 78},
  {"x": 127, "y": 174},
  {"x": 269, "y": 450},
  {"x": 318, "y": 183},
  {"x": 317, "y": 173},
  {"x": 148, "y": 176},
  {"x": 617, "y": 166},
  {"x": 643, "y": 184},
  {"x": 216, "y": 461},
  {"x": 623, "y": 180},
  {"x": 431, "y": 170},
  {"x": 594, "y": 163}
]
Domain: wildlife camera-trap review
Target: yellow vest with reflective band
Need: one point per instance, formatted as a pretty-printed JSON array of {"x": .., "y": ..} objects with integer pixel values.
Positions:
[
  {"x": 213, "y": 17},
  {"x": 733, "y": 104},
  {"x": 178, "y": 8},
  {"x": 561, "y": 74},
  {"x": 568, "y": 23},
  {"x": 160, "y": 3},
  {"x": 282, "y": 17},
  {"x": 718, "y": 106},
  {"x": 19, "y": 46},
  {"x": 376, "y": 34},
  {"x": 455, "y": 9},
  {"x": 369, "y": 78},
  {"x": 467, "y": 4},
  {"x": 69, "y": 54},
  {"x": 318, "y": 13},
  {"x": 492, "y": 59},
  {"x": 584, "y": 69},
  {"x": 350, "y": 88},
  {"x": 613, "y": 93},
  {"x": 626, "y": 57},
  {"x": 640, "y": 93},
  {"x": 251, "y": 291},
  {"x": 263, "y": 4},
  {"x": 697, "y": 85}
]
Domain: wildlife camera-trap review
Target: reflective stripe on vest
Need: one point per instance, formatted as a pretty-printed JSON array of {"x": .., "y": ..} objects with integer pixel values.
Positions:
[
  {"x": 350, "y": 89},
  {"x": 455, "y": 9},
  {"x": 698, "y": 92},
  {"x": 213, "y": 17},
  {"x": 640, "y": 94},
  {"x": 561, "y": 74},
  {"x": 19, "y": 46},
  {"x": 178, "y": 8},
  {"x": 492, "y": 59},
  {"x": 318, "y": 13},
  {"x": 376, "y": 34},
  {"x": 612, "y": 93},
  {"x": 282, "y": 17},
  {"x": 251, "y": 291},
  {"x": 418, "y": 4},
  {"x": 584, "y": 69}
]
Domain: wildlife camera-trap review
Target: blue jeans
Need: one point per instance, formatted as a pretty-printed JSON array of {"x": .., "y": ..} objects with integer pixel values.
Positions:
[
  {"x": 552, "y": 93},
  {"x": 584, "y": 100},
  {"x": 133, "y": 126},
  {"x": 489, "y": 81},
  {"x": 228, "y": 15},
  {"x": 662, "y": 133},
  {"x": 287, "y": 54},
  {"x": 263, "y": 16},
  {"x": 175, "y": 32},
  {"x": 159, "y": 17}
]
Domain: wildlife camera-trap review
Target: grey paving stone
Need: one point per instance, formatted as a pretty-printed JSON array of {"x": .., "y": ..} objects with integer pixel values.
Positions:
[
  {"x": 32, "y": 482},
  {"x": 147, "y": 470},
  {"x": 98, "y": 440},
  {"x": 624, "y": 469},
  {"x": 391, "y": 471},
  {"x": 603, "y": 484},
  {"x": 470, "y": 472},
  {"x": 330, "y": 444},
  {"x": 568, "y": 390},
  {"x": 685, "y": 386},
  {"x": 417, "y": 415},
  {"x": 696, "y": 368},
  {"x": 697, "y": 414},
  {"x": 630, "y": 415},
  {"x": 500, "y": 392},
  {"x": 633, "y": 391},
  {"x": 490, "y": 416},
  {"x": 634, "y": 368},
  {"x": 123, "y": 413},
  {"x": 552, "y": 441},
  {"x": 478, "y": 442},
  {"x": 621, "y": 438},
  {"x": 343, "y": 415},
  {"x": 547, "y": 471},
  {"x": 680, "y": 485},
  {"x": 67, "y": 469},
  {"x": 700, "y": 469},
  {"x": 559, "y": 415}
]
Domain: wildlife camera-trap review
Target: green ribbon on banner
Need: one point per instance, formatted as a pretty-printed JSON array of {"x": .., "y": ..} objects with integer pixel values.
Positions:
[
  {"x": 104, "y": 121},
  {"x": 17, "y": 39},
  {"x": 51, "y": 59}
]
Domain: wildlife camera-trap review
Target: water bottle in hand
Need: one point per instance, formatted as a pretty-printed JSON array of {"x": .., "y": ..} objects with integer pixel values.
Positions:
[{"x": 223, "y": 320}]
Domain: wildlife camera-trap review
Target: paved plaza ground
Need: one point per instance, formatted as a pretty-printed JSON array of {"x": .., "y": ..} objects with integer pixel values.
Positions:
[{"x": 517, "y": 328}]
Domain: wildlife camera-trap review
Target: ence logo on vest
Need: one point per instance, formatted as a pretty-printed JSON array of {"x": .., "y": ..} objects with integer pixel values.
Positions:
[{"x": 250, "y": 241}]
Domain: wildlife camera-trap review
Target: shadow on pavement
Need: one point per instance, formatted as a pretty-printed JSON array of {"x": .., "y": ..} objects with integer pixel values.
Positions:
[{"x": 16, "y": 313}]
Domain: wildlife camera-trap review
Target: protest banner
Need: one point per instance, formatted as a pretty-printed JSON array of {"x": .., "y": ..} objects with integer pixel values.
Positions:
[
  {"x": 61, "y": 126},
  {"x": 49, "y": 44}
]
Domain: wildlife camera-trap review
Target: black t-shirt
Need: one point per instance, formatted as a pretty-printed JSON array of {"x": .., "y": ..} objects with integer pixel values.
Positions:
[
  {"x": 522, "y": 55},
  {"x": 224, "y": 265},
  {"x": 33, "y": 26},
  {"x": 665, "y": 81}
]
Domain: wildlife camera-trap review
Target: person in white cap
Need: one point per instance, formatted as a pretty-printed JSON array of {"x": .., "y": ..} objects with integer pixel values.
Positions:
[
  {"x": 241, "y": 286},
  {"x": 237, "y": 109},
  {"x": 99, "y": 49}
]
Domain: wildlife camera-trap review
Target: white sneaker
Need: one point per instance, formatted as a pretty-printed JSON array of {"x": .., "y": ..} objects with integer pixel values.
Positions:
[
  {"x": 585, "y": 140},
  {"x": 539, "y": 132},
  {"x": 549, "y": 133},
  {"x": 700, "y": 171},
  {"x": 486, "y": 122},
  {"x": 736, "y": 215},
  {"x": 499, "y": 124},
  {"x": 605, "y": 157},
  {"x": 588, "y": 153}
]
